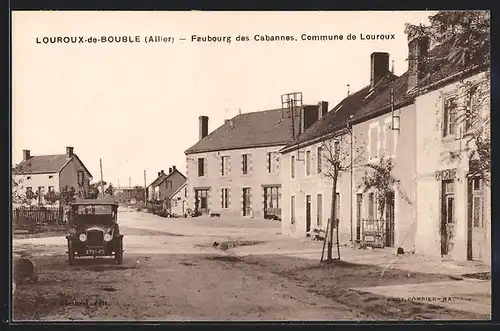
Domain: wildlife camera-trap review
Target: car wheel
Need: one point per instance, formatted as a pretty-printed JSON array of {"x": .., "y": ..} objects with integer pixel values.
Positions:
[
  {"x": 119, "y": 251},
  {"x": 71, "y": 253}
]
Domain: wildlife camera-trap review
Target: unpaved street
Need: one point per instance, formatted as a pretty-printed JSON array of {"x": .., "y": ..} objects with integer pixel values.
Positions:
[{"x": 172, "y": 272}]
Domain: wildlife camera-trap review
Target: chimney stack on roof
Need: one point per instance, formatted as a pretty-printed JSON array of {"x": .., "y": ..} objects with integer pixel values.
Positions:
[
  {"x": 418, "y": 50},
  {"x": 379, "y": 67},
  {"x": 203, "y": 126},
  {"x": 159, "y": 173},
  {"x": 69, "y": 151},
  {"x": 173, "y": 168},
  {"x": 322, "y": 108},
  {"x": 26, "y": 155},
  {"x": 162, "y": 172},
  {"x": 170, "y": 170}
]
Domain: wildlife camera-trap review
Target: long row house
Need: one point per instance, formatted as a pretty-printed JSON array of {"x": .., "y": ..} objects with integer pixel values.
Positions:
[{"x": 265, "y": 164}]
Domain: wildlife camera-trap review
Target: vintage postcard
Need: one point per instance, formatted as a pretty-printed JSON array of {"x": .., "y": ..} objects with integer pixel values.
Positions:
[{"x": 256, "y": 166}]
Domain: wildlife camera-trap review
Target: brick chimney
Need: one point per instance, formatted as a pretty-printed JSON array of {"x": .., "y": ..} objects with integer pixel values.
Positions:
[
  {"x": 173, "y": 168},
  {"x": 203, "y": 126},
  {"x": 170, "y": 170},
  {"x": 309, "y": 115},
  {"x": 26, "y": 155},
  {"x": 162, "y": 172},
  {"x": 322, "y": 108},
  {"x": 69, "y": 151},
  {"x": 418, "y": 50},
  {"x": 379, "y": 67},
  {"x": 159, "y": 173}
]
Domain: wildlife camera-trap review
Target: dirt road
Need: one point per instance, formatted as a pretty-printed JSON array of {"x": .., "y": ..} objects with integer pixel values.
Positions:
[{"x": 178, "y": 275}]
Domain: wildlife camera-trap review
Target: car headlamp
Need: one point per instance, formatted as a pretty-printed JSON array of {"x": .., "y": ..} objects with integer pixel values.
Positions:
[
  {"x": 107, "y": 237},
  {"x": 82, "y": 237}
]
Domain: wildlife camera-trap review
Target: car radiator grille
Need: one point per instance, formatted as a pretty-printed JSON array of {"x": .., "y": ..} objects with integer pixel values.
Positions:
[{"x": 95, "y": 237}]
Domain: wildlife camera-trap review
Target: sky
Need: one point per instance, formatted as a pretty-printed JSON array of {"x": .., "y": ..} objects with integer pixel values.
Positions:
[{"x": 136, "y": 105}]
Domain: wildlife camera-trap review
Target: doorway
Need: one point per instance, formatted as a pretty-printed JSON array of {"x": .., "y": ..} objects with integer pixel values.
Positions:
[
  {"x": 476, "y": 235},
  {"x": 201, "y": 198},
  {"x": 308, "y": 213},
  {"x": 246, "y": 201},
  {"x": 389, "y": 220},
  {"x": 359, "y": 203},
  {"x": 447, "y": 214}
]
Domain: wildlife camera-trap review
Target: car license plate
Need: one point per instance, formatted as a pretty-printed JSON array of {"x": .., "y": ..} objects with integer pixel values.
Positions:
[{"x": 95, "y": 251}]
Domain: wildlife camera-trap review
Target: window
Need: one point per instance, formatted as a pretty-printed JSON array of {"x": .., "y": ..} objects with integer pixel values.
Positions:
[
  {"x": 272, "y": 162},
  {"x": 272, "y": 200},
  {"x": 449, "y": 120},
  {"x": 292, "y": 166},
  {"x": 320, "y": 160},
  {"x": 371, "y": 206},
  {"x": 319, "y": 210},
  {"x": 225, "y": 198},
  {"x": 449, "y": 201},
  {"x": 244, "y": 164},
  {"x": 51, "y": 188},
  {"x": 292, "y": 210},
  {"x": 224, "y": 171},
  {"x": 185, "y": 192},
  {"x": 201, "y": 167},
  {"x": 41, "y": 192},
  {"x": 471, "y": 108},
  {"x": 80, "y": 177},
  {"x": 308, "y": 163}
]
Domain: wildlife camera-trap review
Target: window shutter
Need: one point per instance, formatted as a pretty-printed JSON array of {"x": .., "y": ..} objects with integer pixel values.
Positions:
[
  {"x": 242, "y": 163},
  {"x": 221, "y": 198},
  {"x": 249, "y": 163},
  {"x": 250, "y": 199},
  {"x": 221, "y": 161},
  {"x": 205, "y": 166},
  {"x": 228, "y": 198},
  {"x": 277, "y": 158},
  {"x": 229, "y": 165}
]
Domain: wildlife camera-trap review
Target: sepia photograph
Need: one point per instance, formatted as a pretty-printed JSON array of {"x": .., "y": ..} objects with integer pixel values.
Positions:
[{"x": 250, "y": 166}]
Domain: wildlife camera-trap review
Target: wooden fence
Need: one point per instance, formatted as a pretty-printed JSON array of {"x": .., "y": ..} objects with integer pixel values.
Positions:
[{"x": 34, "y": 218}]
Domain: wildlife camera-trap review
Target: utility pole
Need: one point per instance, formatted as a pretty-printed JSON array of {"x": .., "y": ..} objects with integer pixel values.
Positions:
[
  {"x": 145, "y": 188},
  {"x": 102, "y": 183}
]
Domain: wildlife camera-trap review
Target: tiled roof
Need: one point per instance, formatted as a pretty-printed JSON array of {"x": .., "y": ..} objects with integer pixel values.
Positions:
[
  {"x": 163, "y": 177},
  {"x": 362, "y": 106},
  {"x": 42, "y": 164},
  {"x": 177, "y": 191},
  {"x": 256, "y": 129},
  {"x": 356, "y": 104}
]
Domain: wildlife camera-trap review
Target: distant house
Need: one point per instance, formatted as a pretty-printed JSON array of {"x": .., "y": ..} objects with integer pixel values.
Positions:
[
  {"x": 178, "y": 201},
  {"x": 161, "y": 189},
  {"x": 44, "y": 173},
  {"x": 235, "y": 169}
]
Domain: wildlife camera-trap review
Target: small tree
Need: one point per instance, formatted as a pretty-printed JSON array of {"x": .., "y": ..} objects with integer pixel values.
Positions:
[
  {"x": 67, "y": 195},
  {"x": 18, "y": 196},
  {"x": 51, "y": 197},
  {"x": 337, "y": 161},
  {"x": 379, "y": 177},
  {"x": 28, "y": 197}
]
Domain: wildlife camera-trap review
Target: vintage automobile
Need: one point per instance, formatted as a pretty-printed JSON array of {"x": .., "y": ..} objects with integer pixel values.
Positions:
[{"x": 94, "y": 230}]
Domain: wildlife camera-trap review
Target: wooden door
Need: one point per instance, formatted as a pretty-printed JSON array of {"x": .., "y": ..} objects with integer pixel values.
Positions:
[
  {"x": 475, "y": 219},
  {"x": 447, "y": 214},
  {"x": 246, "y": 201},
  {"x": 308, "y": 213},
  {"x": 389, "y": 220}
]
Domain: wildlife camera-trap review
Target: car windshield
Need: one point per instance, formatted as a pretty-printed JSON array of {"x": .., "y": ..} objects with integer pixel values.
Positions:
[{"x": 95, "y": 210}]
